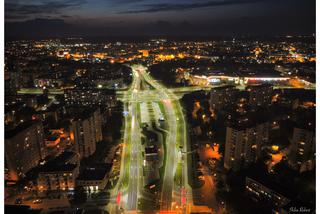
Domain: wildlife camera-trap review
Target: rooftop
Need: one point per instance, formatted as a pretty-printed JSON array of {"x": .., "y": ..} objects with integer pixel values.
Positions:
[
  {"x": 95, "y": 173},
  {"x": 249, "y": 119},
  {"x": 81, "y": 113},
  {"x": 21, "y": 127},
  {"x": 52, "y": 168},
  {"x": 63, "y": 158}
]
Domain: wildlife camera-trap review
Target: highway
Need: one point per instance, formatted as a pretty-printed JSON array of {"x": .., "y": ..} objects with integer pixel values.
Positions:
[
  {"x": 129, "y": 188},
  {"x": 125, "y": 193},
  {"x": 175, "y": 119},
  {"x": 135, "y": 157},
  {"x": 171, "y": 150}
]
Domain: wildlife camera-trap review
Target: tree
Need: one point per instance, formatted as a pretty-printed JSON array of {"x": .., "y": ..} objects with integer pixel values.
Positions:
[{"x": 80, "y": 195}]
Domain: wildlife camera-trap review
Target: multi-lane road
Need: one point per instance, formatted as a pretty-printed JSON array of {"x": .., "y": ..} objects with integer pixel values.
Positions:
[
  {"x": 171, "y": 142},
  {"x": 135, "y": 167},
  {"x": 125, "y": 193},
  {"x": 176, "y": 143},
  {"x": 129, "y": 188}
]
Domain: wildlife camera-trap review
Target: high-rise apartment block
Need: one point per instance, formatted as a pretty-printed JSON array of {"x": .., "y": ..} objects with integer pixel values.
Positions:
[
  {"x": 90, "y": 97},
  {"x": 243, "y": 144},
  {"x": 260, "y": 95},
  {"x": 221, "y": 97},
  {"x": 24, "y": 148},
  {"x": 302, "y": 150},
  {"x": 85, "y": 132}
]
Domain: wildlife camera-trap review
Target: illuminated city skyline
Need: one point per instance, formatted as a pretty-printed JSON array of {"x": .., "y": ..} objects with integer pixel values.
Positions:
[{"x": 155, "y": 106}]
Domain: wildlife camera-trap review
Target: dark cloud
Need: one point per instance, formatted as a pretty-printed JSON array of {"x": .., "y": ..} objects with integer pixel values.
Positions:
[
  {"x": 151, "y": 8},
  {"x": 225, "y": 17},
  {"x": 37, "y": 28},
  {"x": 15, "y": 9},
  {"x": 42, "y": 28},
  {"x": 127, "y": 1},
  {"x": 65, "y": 16},
  {"x": 14, "y": 16}
]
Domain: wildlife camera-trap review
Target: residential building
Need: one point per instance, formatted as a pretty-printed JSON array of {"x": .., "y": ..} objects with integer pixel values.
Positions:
[
  {"x": 260, "y": 191},
  {"x": 221, "y": 97},
  {"x": 243, "y": 144},
  {"x": 95, "y": 178},
  {"x": 59, "y": 173},
  {"x": 24, "y": 148},
  {"x": 302, "y": 149},
  {"x": 57, "y": 177},
  {"x": 90, "y": 97},
  {"x": 85, "y": 131},
  {"x": 260, "y": 95}
]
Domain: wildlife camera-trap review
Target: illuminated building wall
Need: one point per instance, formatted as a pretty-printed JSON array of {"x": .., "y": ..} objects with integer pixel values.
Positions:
[
  {"x": 243, "y": 145},
  {"x": 302, "y": 150},
  {"x": 47, "y": 83},
  {"x": 198, "y": 80},
  {"x": 87, "y": 131},
  {"x": 145, "y": 53},
  {"x": 163, "y": 57},
  {"x": 100, "y": 55},
  {"x": 262, "y": 193},
  {"x": 60, "y": 177},
  {"x": 222, "y": 97},
  {"x": 24, "y": 148},
  {"x": 62, "y": 53},
  {"x": 260, "y": 95},
  {"x": 89, "y": 97},
  {"x": 95, "y": 178}
]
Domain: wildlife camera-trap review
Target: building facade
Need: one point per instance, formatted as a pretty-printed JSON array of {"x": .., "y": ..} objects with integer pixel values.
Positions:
[
  {"x": 222, "y": 96},
  {"x": 85, "y": 132},
  {"x": 59, "y": 177},
  {"x": 95, "y": 178},
  {"x": 260, "y": 95},
  {"x": 24, "y": 148},
  {"x": 243, "y": 145},
  {"x": 90, "y": 97},
  {"x": 302, "y": 150},
  {"x": 261, "y": 192}
]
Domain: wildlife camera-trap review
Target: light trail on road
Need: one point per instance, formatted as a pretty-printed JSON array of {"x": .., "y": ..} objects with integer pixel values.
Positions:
[
  {"x": 133, "y": 188},
  {"x": 174, "y": 115},
  {"x": 128, "y": 181}
]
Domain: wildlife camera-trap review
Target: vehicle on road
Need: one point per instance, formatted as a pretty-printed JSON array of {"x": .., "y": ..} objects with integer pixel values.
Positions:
[
  {"x": 18, "y": 201},
  {"x": 37, "y": 201}
]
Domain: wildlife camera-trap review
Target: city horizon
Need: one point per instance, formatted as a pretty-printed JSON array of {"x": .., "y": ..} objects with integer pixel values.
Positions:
[{"x": 158, "y": 106}]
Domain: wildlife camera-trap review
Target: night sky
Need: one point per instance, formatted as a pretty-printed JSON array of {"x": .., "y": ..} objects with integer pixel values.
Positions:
[{"x": 44, "y": 18}]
